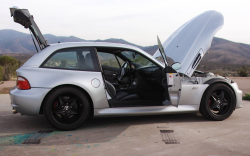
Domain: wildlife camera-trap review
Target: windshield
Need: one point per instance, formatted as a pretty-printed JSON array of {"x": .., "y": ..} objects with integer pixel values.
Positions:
[{"x": 137, "y": 59}]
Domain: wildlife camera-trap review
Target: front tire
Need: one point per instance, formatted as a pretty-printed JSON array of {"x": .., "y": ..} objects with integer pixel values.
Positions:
[
  {"x": 66, "y": 108},
  {"x": 218, "y": 102}
]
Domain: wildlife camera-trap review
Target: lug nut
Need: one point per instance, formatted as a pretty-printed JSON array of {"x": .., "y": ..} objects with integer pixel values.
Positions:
[{"x": 15, "y": 111}]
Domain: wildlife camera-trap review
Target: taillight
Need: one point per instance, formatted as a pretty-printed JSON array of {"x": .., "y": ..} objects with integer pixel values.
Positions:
[{"x": 22, "y": 83}]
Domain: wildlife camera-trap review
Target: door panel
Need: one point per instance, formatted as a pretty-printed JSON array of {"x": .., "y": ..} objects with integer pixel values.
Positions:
[{"x": 174, "y": 88}]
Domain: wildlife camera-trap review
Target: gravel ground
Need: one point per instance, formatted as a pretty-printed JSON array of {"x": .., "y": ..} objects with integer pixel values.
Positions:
[
  {"x": 189, "y": 134},
  {"x": 7, "y": 84}
]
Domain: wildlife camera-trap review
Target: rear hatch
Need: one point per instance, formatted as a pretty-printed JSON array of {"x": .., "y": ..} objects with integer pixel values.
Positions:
[{"x": 23, "y": 17}]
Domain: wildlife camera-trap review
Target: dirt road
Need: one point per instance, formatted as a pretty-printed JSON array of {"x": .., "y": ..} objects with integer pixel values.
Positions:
[{"x": 243, "y": 83}]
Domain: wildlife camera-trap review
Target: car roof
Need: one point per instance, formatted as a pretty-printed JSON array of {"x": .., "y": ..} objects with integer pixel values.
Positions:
[
  {"x": 95, "y": 44},
  {"x": 39, "y": 57}
]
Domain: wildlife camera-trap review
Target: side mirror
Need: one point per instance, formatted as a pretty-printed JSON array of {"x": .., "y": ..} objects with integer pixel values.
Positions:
[{"x": 176, "y": 66}]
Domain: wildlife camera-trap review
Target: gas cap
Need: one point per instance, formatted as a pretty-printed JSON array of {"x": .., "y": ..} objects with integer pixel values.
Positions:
[{"x": 95, "y": 83}]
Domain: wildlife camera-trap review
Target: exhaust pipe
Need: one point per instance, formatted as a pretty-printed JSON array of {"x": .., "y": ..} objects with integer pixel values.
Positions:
[{"x": 14, "y": 111}]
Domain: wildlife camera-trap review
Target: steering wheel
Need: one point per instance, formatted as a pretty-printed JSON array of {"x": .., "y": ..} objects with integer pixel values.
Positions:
[{"x": 123, "y": 71}]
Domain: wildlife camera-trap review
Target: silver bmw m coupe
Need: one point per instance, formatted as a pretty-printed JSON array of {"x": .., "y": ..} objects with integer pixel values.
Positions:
[{"x": 70, "y": 82}]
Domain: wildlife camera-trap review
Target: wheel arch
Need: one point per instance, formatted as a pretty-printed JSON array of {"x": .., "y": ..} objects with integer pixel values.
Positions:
[
  {"x": 216, "y": 81},
  {"x": 69, "y": 85}
]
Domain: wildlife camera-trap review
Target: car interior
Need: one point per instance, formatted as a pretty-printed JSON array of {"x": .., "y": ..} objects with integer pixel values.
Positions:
[{"x": 131, "y": 79}]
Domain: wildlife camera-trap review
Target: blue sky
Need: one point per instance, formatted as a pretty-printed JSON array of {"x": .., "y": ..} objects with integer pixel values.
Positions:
[{"x": 137, "y": 21}]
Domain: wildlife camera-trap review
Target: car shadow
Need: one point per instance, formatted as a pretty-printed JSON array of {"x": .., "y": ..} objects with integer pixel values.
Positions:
[{"x": 95, "y": 130}]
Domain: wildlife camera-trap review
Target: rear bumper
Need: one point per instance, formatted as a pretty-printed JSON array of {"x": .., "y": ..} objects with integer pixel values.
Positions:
[{"x": 28, "y": 102}]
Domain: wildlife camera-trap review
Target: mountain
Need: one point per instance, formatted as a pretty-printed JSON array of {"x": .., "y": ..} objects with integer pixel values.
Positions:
[
  {"x": 12, "y": 41},
  {"x": 221, "y": 51},
  {"x": 228, "y": 52}
]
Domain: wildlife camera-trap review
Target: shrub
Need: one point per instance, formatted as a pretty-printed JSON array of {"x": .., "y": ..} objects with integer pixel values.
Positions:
[
  {"x": 9, "y": 66},
  {"x": 246, "y": 97},
  {"x": 243, "y": 71},
  {"x": 1, "y": 73}
]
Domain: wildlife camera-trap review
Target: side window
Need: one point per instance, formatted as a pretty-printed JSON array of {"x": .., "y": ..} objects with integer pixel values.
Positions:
[
  {"x": 62, "y": 60},
  {"x": 138, "y": 59},
  {"x": 107, "y": 59},
  {"x": 75, "y": 58}
]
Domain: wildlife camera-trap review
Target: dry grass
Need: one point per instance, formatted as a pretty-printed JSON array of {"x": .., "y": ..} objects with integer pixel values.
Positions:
[{"x": 5, "y": 90}]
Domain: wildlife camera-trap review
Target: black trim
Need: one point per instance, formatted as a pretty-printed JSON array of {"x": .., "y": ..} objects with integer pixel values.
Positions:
[
  {"x": 134, "y": 103},
  {"x": 91, "y": 49},
  {"x": 169, "y": 69},
  {"x": 98, "y": 64},
  {"x": 94, "y": 58},
  {"x": 196, "y": 61},
  {"x": 118, "y": 61}
]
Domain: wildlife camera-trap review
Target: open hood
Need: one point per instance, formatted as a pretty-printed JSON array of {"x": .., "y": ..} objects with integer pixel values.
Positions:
[
  {"x": 188, "y": 44},
  {"x": 23, "y": 17}
]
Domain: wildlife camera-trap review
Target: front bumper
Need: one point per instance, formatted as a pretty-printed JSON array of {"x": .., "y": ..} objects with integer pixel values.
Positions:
[
  {"x": 238, "y": 95},
  {"x": 28, "y": 102}
]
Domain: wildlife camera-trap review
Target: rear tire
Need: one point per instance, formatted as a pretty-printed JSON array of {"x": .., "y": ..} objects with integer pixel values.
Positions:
[
  {"x": 66, "y": 108},
  {"x": 218, "y": 102}
]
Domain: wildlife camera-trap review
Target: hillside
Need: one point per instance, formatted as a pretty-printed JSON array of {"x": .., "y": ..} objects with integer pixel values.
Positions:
[
  {"x": 12, "y": 41},
  {"x": 222, "y": 51}
]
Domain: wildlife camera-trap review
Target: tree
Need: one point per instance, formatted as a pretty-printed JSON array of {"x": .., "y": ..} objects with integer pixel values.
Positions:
[
  {"x": 9, "y": 66},
  {"x": 243, "y": 71}
]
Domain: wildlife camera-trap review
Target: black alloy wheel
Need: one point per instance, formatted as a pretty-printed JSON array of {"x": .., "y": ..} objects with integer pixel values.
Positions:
[
  {"x": 67, "y": 108},
  {"x": 218, "y": 102}
]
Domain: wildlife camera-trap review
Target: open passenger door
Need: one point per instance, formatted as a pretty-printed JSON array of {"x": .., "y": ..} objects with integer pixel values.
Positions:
[
  {"x": 172, "y": 82},
  {"x": 23, "y": 17}
]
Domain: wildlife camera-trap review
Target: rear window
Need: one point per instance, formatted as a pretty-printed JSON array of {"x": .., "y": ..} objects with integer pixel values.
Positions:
[{"x": 75, "y": 59}]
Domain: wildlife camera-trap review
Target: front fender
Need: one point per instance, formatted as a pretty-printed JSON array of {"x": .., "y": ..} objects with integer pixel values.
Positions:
[{"x": 232, "y": 85}]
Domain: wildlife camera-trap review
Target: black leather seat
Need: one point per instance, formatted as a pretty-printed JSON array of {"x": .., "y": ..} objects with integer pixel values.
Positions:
[
  {"x": 121, "y": 96},
  {"x": 81, "y": 62}
]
